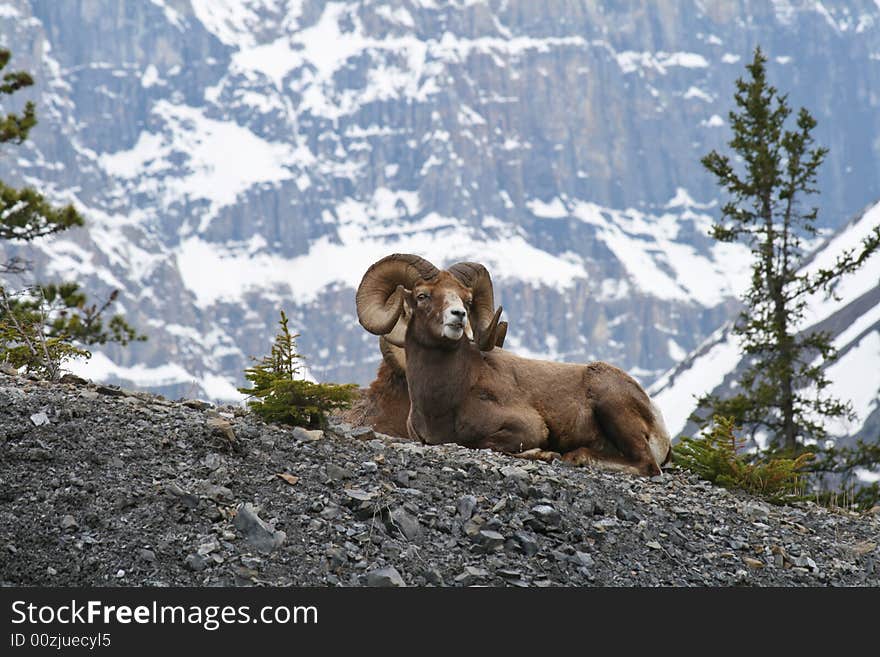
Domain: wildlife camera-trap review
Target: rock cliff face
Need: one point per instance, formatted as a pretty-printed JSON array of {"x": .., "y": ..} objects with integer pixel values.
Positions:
[{"x": 235, "y": 158}]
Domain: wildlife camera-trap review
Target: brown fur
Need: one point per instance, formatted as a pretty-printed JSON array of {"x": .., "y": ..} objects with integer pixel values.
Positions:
[
  {"x": 384, "y": 405},
  {"x": 593, "y": 413}
]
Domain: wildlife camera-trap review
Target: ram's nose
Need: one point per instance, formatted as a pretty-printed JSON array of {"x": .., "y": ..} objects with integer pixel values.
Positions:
[{"x": 458, "y": 313}]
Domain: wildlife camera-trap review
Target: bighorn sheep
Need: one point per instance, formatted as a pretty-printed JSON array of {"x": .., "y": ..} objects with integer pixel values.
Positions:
[
  {"x": 385, "y": 404},
  {"x": 466, "y": 392}
]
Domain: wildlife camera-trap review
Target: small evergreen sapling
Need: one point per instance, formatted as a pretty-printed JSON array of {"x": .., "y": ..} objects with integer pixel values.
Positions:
[
  {"x": 278, "y": 396},
  {"x": 25, "y": 341},
  {"x": 718, "y": 457},
  {"x": 46, "y": 325}
]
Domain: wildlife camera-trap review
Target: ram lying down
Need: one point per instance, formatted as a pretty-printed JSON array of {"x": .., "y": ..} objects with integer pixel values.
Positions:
[
  {"x": 463, "y": 389},
  {"x": 384, "y": 406}
]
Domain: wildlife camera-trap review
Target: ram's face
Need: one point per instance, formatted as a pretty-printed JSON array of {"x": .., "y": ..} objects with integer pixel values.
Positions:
[
  {"x": 442, "y": 307},
  {"x": 403, "y": 295}
]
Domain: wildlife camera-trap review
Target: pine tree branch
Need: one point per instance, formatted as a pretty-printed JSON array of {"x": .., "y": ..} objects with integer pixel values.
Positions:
[
  {"x": 26, "y": 215},
  {"x": 847, "y": 262}
]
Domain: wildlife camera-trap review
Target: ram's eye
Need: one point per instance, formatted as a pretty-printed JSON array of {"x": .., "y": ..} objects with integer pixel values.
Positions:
[{"x": 422, "y": 296}]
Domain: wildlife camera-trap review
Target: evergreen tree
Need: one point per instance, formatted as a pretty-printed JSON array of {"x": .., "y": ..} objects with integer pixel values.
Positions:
[
  {"x": 279, "y": 396},
  {"x": 42, "y": 325},
  {"x": 784, "y": 387},
  {"x": 24, "y": 213}
]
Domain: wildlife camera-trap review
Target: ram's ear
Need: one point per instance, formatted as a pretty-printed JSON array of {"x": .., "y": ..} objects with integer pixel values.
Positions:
[
  {"x": 501, "y": 334},
  {"x": 409, "y": 302},
  {"x": 398, "y": 333}
]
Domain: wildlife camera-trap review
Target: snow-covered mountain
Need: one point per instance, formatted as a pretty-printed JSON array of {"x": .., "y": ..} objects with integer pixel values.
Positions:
[
  {"x": 851, "y": 315},
  {"x": 237, "y": 157}
]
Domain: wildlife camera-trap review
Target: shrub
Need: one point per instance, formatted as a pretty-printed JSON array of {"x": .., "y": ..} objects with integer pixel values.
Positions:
[
  {"x": 278, "y": 396},
  {"x": 25, "y": 343},
  {"x": 43, "y": 326},
  {"x": 718, "y": 457}
]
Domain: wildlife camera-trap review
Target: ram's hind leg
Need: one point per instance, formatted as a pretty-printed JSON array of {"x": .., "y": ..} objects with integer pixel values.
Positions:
[
  {"x": 523, "y": 435},
  {"x": 628, "y": 430}
]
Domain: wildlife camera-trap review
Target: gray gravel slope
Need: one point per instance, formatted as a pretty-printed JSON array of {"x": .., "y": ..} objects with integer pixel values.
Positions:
[{"x": 100, "y": 486}]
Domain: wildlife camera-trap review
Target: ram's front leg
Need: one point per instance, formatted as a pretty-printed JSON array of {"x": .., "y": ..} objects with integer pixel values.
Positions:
[
  {"x": 587, "y": 456},
  {"x": 521, "y": 434},
  {"x": 537, "y": 454}
]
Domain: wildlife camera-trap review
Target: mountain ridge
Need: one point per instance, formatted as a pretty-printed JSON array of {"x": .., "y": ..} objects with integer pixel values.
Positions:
[{"x": 235, "y": 159}]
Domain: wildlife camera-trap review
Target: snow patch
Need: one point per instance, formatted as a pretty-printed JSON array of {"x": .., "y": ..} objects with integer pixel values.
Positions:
[
  {"x": 171, "y": 15},
  {"x": 555, "y": 209},
  {"x": 100, "y": 368},
  {"x": 658, "y": 264},
  {"x": 683, "y": 199},
  {"x": 855, "y": 377},
  {"x": 215, "y": 272},
  {"x": 784, "y": 11},
  {"x": 677, "y": 398},
  {"x": 675, "y": 351},
  {"x": 150, "y": 77},
  {"x": 219, "y": 387},
  {"x": 399, "y": 15},
  {"x": 271, "y": 59},
  {"x": 699, "y": 94},
  {"x": 236, "y": 22},
  {"x": 210, "y": 170},
  {"x": 631, "y": 61}
]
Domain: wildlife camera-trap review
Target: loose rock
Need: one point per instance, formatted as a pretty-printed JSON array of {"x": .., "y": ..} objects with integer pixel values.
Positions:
[
  {"x": 385, "y": 577},
  {"x": 129, "y": 482},
  {"x": 69, "y": 522},
  {"x": 489, "y": 540},
  {"x": 466, "y": 506},
  {"x": 257, "y": 531},
  {"x": 40, "y": 419},
  {"x": 404, "y": 522},
  {"x": 307, "y": 434}
]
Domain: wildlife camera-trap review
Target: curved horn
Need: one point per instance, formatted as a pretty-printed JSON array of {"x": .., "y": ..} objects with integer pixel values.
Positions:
[
  {"x": 492, "y": 336},
  {"x": 380, "y": 295},
  {"x": 485, "y": 324}
]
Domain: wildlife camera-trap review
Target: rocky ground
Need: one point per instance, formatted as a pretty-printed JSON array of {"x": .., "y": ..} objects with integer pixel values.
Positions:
[{"x": 100, "y": 486}]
